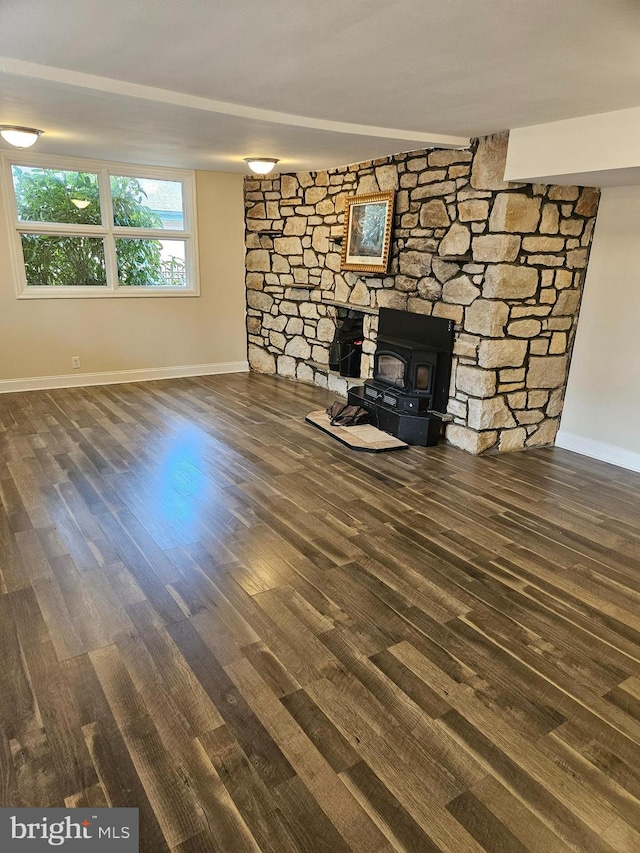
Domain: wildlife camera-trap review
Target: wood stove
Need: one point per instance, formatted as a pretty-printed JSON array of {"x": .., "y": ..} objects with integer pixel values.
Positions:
[{"x": 412, "y": 369}]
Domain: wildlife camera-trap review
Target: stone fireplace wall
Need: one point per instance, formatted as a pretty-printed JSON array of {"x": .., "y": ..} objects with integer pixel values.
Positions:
[{"x": 505, "y": 261}]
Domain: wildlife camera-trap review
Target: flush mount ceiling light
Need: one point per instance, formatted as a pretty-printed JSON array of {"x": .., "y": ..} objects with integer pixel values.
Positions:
[
  {"x": 20, "y": 137},
  {"x": 261, "y": 165},
  {"x": 80, "y": 203}
]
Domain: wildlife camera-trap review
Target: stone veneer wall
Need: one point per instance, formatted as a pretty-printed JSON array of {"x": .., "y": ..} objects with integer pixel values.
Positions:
[{"x": 505, "y": 261}]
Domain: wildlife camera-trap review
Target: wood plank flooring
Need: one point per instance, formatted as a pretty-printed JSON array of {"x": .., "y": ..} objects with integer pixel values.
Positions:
[{"x": 267, "y": 642}]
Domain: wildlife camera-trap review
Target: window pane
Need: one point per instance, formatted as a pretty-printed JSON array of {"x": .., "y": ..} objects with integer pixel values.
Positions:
[
  {"x": 54, "y": 195},
  {"x": 151, "y": 263},
  {"x": 68, "y": 261},
  {"x": 147, "y": 203}
]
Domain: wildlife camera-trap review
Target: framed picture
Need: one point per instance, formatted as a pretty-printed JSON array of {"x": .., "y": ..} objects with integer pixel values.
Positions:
[{"x": 367, "y": 232}]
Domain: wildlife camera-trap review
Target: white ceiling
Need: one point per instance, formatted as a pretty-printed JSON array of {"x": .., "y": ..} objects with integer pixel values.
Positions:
[{"x": 204, "y": 83}]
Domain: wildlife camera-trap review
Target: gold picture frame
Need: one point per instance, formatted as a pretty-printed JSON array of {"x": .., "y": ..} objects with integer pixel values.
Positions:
[{"x": 366, "y": 239}]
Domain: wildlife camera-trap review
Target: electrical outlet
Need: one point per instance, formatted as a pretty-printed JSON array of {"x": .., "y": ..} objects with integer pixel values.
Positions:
[{"x": 75, "y": 362}]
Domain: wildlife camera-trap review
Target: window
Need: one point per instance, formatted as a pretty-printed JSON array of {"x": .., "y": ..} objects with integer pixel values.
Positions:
[{"x": 83, "y": 228}]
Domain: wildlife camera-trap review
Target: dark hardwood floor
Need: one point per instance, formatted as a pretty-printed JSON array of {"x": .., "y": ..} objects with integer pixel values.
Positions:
[{"x": 267, "y": 642}]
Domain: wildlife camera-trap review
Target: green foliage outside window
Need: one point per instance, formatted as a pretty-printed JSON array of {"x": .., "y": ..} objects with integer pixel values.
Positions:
[
  {"x": 47, "y": 195},
  {"x": 72, "y": 261}
]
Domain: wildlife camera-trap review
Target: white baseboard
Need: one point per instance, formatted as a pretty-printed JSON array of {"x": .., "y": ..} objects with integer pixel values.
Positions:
[
  {"x": 116, "y": 377},
  {"x": 599, "y": 450}
]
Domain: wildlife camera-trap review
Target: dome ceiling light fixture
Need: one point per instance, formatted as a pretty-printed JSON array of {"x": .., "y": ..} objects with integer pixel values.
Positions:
[
  {"x": 20, "y": 137},
  {"x": 80, "y": 203},
  {"x": 261, "y": 165}
]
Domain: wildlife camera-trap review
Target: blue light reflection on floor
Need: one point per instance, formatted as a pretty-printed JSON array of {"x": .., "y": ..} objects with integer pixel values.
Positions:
[{"x": 181, "y": 494}]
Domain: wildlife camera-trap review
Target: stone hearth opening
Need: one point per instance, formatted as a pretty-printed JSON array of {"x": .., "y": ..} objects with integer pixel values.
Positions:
[{"x": 345, "y": 352}]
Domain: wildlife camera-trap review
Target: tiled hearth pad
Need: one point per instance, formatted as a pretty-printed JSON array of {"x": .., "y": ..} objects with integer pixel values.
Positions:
[{"x": 364, "y": 437}]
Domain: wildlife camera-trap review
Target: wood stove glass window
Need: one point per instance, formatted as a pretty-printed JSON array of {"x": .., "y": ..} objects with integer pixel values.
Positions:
[
  {"x": 391, "y": 369},
  {"x": 423, "y": 377}
]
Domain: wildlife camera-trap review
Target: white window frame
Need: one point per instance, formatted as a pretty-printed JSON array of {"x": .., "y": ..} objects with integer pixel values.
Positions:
[{"x": 108, "y": 232}]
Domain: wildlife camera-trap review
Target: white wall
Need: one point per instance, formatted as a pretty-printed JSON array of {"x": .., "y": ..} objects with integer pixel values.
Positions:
[
  {"x": 601, "y": 415},
  {"x": 154, "y": 336},
  {"x": 597, "y": 151}
]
